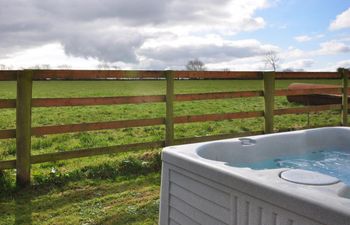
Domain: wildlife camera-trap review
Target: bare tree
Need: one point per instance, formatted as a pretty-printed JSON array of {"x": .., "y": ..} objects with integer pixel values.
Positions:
[
  {"x": 115, "y": 67},
  {"x": 195, "y": 65},
  {"x": 6, "y": 67},
  {"x": 45, "y": 66},
  {"x": 64, "y": 66},
  {"x": 272, "y": 60},
  {"x": 103, "y": 66},
  {"x": 3, "y": 67},
  {"x": 41, "y": 67}
]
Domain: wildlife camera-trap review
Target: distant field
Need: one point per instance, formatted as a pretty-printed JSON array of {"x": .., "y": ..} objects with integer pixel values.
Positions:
[{"x": 115, "y": 197}]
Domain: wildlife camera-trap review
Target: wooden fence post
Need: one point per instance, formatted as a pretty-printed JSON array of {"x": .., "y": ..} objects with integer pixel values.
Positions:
[
  {"x": 269, "y": 96},
  {"x": 23, "y": 127},
  {"x": 169, "y": 120},
  {"x": 345, "y": 76}
]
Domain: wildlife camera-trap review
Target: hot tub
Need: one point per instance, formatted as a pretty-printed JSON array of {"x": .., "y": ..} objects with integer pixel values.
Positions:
[{"x": 235, "y": 181}]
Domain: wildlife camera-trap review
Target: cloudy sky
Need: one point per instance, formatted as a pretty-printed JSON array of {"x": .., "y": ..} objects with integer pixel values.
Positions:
[{"x": 165, "y": 34}]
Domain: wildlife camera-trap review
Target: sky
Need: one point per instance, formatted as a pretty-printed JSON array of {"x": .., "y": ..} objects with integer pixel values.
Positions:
[{"x": 310, "y": 35}]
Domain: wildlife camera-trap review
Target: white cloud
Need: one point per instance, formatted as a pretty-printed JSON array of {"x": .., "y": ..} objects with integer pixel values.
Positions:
[
  {"x": 50, "y": 54},
  {"x": 240, "y": 64},
  {"x": 333, "y": 66},
  {"x": 122, "y": 31},
  {"x": 293, "y": 52},
  {"x": 303, "y": 38},
  {"x": 154, "y": 34},
  {"x": 342, "y": 21},
  {"x": 210, "y": 49},
  {"x": 343, "y": 64},
  {"x": 214, "y": 51},
  {"x": 333, "y": 47},
  {"x": 300, "y": 64},
  {"x": 345, "y": 38}
]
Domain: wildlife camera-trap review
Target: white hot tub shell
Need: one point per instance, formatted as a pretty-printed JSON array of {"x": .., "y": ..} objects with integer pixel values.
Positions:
[{"x": 201, "y": 185}]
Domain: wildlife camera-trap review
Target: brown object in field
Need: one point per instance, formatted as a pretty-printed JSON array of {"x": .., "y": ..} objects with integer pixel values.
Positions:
[{"x": 320, "y": 98}]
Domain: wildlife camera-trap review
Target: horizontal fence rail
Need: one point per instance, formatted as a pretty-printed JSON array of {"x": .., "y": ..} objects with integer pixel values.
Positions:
[
  {"x": 61, "y": 102},
  {"x": 8, "y": 75},
  {"x": 11, "y": 164},
  {"x": 8, "y": 164},
  {"x": 169, "y": 120},
  {"x": 308, "y": 75},
  {"x": 217, "y": 95},
  {"x": 10, "y": 133},
  {"x": 95, "y": 74},
  {"x": 218, "y": 75},
  {"x": 290, "y": 92},
  {"x": 7, "y": 103},
  {"x": 94, "y": 151}
]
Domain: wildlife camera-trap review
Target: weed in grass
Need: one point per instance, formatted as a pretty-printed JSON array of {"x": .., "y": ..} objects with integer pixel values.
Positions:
[
  {"x": 102, "y": 171},
  {"x": 54, "y": 177},
  {"x": 9, "y": 147},
  {"x": 52, "y": 164},
  {"x": 130, "y": 166},
  {"x": 41, "y": 143},
  {"x": 5, "y": 182}
]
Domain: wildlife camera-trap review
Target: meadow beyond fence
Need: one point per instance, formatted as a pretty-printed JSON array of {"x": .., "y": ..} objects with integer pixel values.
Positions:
[{"x": 24, "y": 103}]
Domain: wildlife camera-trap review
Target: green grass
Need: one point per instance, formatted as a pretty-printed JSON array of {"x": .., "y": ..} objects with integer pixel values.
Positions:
[
  {"x": 126, "y": 200},
  {"x": 99, "y": 190}
]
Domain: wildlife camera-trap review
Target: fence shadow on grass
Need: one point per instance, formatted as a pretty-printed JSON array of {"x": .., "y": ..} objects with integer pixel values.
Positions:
[
  {"x": 41, "y": 203},
  {"x": 23, "y": 210}
]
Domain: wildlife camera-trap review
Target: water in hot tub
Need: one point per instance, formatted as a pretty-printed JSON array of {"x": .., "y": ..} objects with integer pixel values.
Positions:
[{"x": 331, "y": 162}]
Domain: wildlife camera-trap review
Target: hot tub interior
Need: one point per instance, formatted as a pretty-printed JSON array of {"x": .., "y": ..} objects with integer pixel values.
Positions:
[{"x": 327, "y": 154}]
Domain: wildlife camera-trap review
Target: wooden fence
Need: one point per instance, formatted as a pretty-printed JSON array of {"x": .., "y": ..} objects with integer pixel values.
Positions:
[{"x": 24, "y": 103}]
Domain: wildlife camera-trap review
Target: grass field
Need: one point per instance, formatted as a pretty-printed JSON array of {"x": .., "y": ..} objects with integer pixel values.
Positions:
[{"x": 119, "y": 188}]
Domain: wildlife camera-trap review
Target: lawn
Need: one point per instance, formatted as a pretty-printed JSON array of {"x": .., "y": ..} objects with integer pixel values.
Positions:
[{"x": 119, "y": 188}]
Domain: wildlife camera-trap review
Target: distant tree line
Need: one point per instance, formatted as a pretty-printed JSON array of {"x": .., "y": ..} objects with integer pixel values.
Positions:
[{"x": 271, "y": 60}]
